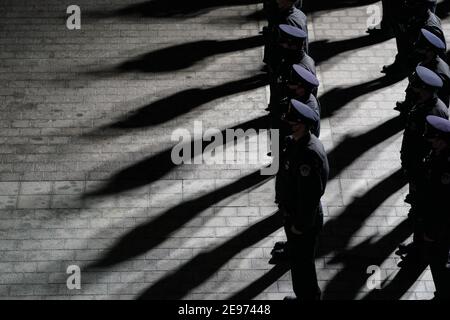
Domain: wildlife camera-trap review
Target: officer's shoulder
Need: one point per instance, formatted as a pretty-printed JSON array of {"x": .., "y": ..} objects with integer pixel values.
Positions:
[
  {"x": 315, "y": 149},
  {"x": 440, "y": 109},
  {"x": 298, "y": 16},
  {"x": 308, "y": 63},
  {"x": 443, "y": 68}
]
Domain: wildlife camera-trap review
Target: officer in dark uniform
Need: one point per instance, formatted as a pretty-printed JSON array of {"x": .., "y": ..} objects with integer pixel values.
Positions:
[
  {"x": 415, "y": 16},
  {"x": 290, "y": 52},
  {"x": 436, "y": 216},
  {"x": 428, "y": 50},
  {"x": 424, "y": 87},
  {"x": 291, "y": 41},
  {"x": 286, "y": 13},
  {"x": 300, "y": 184},
  {"x": 431, "y": 49},
  {"x": 302, "y": 86}
]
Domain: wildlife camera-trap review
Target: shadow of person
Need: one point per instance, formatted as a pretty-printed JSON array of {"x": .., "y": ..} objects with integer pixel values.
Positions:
[
  {"x": 337, "y": 232},
  {"x": 171, "y": 9},
  {"x": 176, "y": 285},
  {"x": 323, "y": 50},
  {"x": 354, "y": 146},
  {"x": 147, "y": 236},
  {"x": 353, "y": 276},
  {"x": 402, "y": 282},
  {"x": 256, "y": 287},
  {"x": 185, "y": 101},
  {"x": 336, "y": 98},
  {"x": 185, "y": 55},
  {"x": 325, "y": 5},
  {"x": 157, "y": 166}
]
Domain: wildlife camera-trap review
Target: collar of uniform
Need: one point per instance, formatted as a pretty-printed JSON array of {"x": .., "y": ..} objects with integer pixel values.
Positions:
[
  {"x": 304, "y": 140},
  {"x": 432, "y": 64},
  {"x": 429, "y": 104}
]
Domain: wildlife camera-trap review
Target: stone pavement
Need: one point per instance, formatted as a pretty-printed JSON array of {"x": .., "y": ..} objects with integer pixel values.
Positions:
[{"x": 86, "y": 177}]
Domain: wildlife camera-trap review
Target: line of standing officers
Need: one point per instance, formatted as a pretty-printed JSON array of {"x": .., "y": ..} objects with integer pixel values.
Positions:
[
  {"x": 304, "y": 168},
  {"x": 295, "y": 111},
  {"x": 425, "y": 151}
]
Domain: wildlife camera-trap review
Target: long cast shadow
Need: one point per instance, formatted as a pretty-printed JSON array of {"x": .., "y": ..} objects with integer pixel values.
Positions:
[
  {"x": 323, "y": 50},
  {"x": 261, "y": 284},
  {"x": 176, "y": 285},
  {"x": 157, "y": 166},
  {"x": 194, "y": 8},
  {"x": 354, "y": 146},
  {"x": 182, "y": 102},
  {"x": 179, "y": 283},
  {"x": 325, "y": 5},
  {"x": 147, "y": 236},
  {"x": 354, "y": 275},
  {"x": 397, "y": 287},
  {"x": 171, "y": 9},
  {"x": 337, "y": 98},
  {"x": 338, "y": 232},
  {"x": 186, "y": 55}
]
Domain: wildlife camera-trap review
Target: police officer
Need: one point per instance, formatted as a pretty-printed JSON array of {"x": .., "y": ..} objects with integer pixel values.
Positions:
[
  {"x": 300, "y": 184},
  {"x": 431, "y": 49},
  {"x": 415, "y": 16},
  {"x": 285, "y": 13},
  {"x": 290, "y": 52},
  {"x": 291, "y": 44},
  {"x": 428, "y": 50},
  {"x": 436, "y": 218},
  {"x": 424, "y": 87}
]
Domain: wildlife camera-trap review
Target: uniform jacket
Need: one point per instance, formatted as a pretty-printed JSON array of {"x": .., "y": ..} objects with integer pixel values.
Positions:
[
  {"x": 436, "y": 198},
  {"x": 441, "y": 67},
  {"x": 301, "y": 181},
  {"x": 414, "y": 147}
]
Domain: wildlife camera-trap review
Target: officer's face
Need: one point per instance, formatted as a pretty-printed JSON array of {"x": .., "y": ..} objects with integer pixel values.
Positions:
[
  {"x": 420, "y": 94},
  {"x": 438, "y": 143},
  {"x": 290, "y": 45},
  {"x": 284, "y": 4},
  {"x": 297, "y": 128},
  {"x": 297, "y": 89}
]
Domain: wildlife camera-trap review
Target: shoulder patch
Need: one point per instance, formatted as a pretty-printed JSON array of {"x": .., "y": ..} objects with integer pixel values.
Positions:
[
  {"x": 445, "y": 179},
  {"x": 305, "y": 170}
]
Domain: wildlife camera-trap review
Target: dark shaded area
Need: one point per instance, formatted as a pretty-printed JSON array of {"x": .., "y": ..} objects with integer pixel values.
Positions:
[
  {"x": 157, "y": 166},
  {"x": 147, "y": 236},
  {"x": 354, "y": 275},
  {"x": 182, "y": 102},
  {"x": 323, "y": 5},
  {"x": 338, "y": 232},
  {"x": 194, "y": 8},
  {"x": 443, "y": 9},
  {"x": 171, "y": 9},
  {"x": 404, "y": 279},
  {"x": 186, "y": 55},
  {"x": 352, "y": 147},
  {"x": 178, "y": 284},
  {"x": 258, "y": 286},
  {"x": 323, "y": 50},
  {"x": 337, "y": 98}
]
